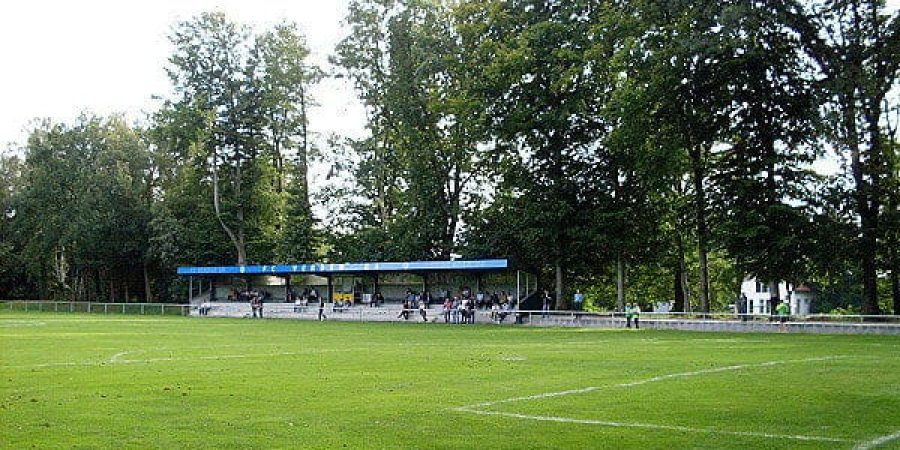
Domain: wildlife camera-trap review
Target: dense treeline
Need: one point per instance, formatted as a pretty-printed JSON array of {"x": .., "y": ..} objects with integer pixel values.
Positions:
[{"x": 638, "y": 150}]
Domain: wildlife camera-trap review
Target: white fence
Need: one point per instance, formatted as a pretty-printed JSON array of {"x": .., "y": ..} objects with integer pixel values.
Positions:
[{"x": 156, "y": 309}]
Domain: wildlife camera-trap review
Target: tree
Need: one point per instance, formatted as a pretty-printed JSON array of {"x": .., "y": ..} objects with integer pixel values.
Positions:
[
  {"x": 246, "y": 102},
  {"x": 86, "y": 194},
  {"x": 856, "y": 46},
  {"x": 415, "y": 168},
  {"x": 278, "y": 59},
  {"x": 541, "y": 104},
  {"x": 762, "y": 180}
]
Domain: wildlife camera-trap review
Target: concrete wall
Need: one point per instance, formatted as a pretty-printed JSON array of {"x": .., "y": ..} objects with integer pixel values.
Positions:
[{"x": 568, "y": 319}]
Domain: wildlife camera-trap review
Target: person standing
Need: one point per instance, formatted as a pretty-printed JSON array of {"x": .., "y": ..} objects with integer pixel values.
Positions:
[
  {"x": 579, "y": 299},
  {"x": 628, "y": 316},
  {"x": 545, "y": 308},
  {"x": 448, "y": 306},
  {"x": 322, "y": 315},
  {"x": 636, "y": 315},
  {"x": 253, "y": 304},
  {"x": 422, "y": 311},
  {"x": 784, "y": 313},
  {"x": 742, "y": 307}
]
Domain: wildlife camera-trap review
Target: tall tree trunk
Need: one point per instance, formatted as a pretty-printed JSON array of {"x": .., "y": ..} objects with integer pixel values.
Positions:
[
  {"x": 699, "y": 172},
  {"x": 620, "y": 284},
  {"x": 895, "y": 288},
  {"x": 278, "y": 162},
  {"x": 774, "y": 296},
  {"x": 680, "y": 276},
  {"x": 238, "y": 244},
  {"x": 560, "y": 302},
  {"x": 678, "y": 304},
  {"x": 303, "y": 153},
  {"x": 867, "y": 209},
  {"x": 148, "y": 293}
]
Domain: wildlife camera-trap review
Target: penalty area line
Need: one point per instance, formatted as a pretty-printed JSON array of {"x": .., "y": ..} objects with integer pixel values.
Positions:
[
  {"x": 881, "y": 440},
  {"x": 651, "y": 426},
  {"x": 649, "y": 380},
  {"x": 477, "y": 408}
]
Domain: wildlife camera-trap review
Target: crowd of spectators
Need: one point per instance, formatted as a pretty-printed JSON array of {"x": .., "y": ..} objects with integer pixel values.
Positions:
[{"x": 455, "y": 309}]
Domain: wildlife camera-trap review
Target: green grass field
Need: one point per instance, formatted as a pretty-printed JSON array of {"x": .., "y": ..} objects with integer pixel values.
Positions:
[{"x": 86, "y": 381}]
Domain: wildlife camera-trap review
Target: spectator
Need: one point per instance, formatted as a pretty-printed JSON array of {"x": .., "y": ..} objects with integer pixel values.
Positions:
[
  {"x": 636, "y": 314},
  {"x": 422, "y": 311},
  {"x": 322, "y": 315},
  {"x": 742, "y": 307},
  {"x": 259, "y": 303},
  {"x": 784, "y": 313},
  {"x": 504, "y": 311},
  {"x": 578, "y": 299},
  {"x": 448, "y": 307},
  {"x": 545, "y": 308},
  {"x": 404, "y": 313}
]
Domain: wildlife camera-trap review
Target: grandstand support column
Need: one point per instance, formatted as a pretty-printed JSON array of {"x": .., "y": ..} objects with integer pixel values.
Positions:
[
  {"x": 190, "y": 289},
  {"x": 424, "y": 282},
  {"x": 478, "y": 282},
  {"x": 375, "y": 285},
  {"x": 287, "y": 288},
  {"x": 519, "y": 289},
  {"x": 330, "y": 289}
]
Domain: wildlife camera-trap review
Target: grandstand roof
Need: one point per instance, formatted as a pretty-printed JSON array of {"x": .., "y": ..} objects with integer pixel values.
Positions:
[{"x": 481, "y": 265}]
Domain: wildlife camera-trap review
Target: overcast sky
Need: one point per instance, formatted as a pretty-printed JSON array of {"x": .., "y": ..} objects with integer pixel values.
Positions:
[{"x": 106, "y": 56}]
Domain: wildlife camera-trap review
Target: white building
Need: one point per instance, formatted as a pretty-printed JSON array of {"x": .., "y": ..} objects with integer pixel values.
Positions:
[{"x": 757, "y": 293}]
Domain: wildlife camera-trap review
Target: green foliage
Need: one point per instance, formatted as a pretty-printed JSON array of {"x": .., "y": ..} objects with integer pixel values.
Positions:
[
  {"x": 85, "y": 203},
  {"x": 245, "y": 103},
  {"x": 415, "y": 171},
  {"x": 674, "y": 140}
]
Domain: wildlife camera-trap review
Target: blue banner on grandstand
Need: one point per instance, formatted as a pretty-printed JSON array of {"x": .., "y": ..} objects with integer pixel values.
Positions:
[{"x": 285, "y": 269}]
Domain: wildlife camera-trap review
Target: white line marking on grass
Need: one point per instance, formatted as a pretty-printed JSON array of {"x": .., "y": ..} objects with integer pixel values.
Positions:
[
  {"x": 477, "y": 408},
  {"x": 12, "y": 323},
  {"x": 725, "y": 369},
  {"x": 798, "y": 437},
  {"x": 120, "y": 361},
  {"x": 115, "y": 358},
  {"x": 650, "y": 380},
  {"x": 878, "y": 441}
]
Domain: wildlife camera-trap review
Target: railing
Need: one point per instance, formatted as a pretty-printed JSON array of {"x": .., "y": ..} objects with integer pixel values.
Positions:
[
  {"x": 157, "y": 309},
  {"x": 718, "y": 316},
  {"x": 364, "y": 313}
]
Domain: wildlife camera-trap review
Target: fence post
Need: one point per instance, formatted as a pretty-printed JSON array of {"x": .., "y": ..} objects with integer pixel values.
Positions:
[
  {"x": 142, "y": 309},
  {"x": 162, "y": 309},
  {"x": 105, "y": 308},
  {"x": 89, "y": 307}
]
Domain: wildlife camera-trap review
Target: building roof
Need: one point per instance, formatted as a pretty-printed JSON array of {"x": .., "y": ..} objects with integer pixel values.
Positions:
[{"x": 482, "y": 265}]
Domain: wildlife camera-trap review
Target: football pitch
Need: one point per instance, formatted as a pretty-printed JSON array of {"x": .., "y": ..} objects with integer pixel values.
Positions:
[{"x": 87, "y": 381}]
